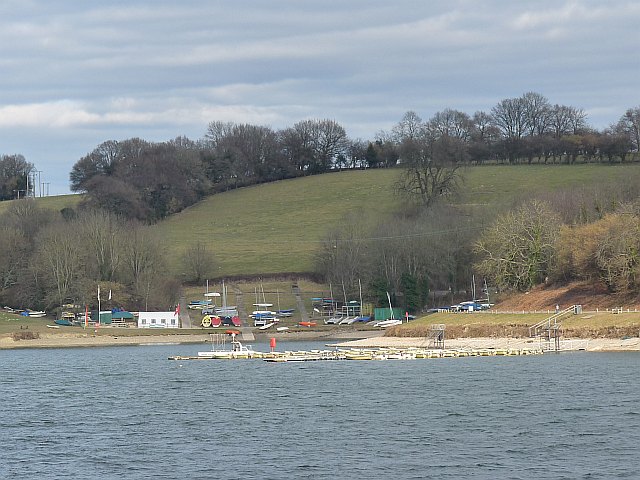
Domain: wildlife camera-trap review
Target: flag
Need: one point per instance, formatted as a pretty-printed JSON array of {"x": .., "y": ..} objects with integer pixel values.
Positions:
[
  {"x": 98, "y": 292},
  {"x": 177, "y": 312},
  {"x": 109, "y": 294}
]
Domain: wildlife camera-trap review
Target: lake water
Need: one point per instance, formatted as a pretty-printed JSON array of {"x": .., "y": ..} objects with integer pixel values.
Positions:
[{"x": 128, "y": 412}]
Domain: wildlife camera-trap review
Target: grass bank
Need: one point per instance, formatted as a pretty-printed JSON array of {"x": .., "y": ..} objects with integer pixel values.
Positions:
[
  {"x": 459, "y": 325},
  {"x": 278, "y": 227}
]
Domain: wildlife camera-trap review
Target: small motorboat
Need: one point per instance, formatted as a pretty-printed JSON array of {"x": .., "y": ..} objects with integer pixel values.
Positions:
[{"x": 238, "y": 350}]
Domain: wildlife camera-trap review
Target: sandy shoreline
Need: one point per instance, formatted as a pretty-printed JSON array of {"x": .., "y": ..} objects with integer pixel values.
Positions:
[
  {"x": 71, "y": 340},
  {"x": 363, "y": 339},
  {"x": 590, "y": 345}
]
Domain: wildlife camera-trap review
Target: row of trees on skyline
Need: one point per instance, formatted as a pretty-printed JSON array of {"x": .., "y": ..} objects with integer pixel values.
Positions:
[{"x": 149, "y": 181}]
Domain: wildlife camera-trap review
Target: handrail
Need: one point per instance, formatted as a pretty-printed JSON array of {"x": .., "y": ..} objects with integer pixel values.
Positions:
[{"x": 533, "y": 330}]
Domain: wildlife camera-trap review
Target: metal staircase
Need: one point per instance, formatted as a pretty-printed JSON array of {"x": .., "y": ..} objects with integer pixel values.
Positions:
[
  {"x": 548, "y": 330},
  {"x": 436, "y": 335}
]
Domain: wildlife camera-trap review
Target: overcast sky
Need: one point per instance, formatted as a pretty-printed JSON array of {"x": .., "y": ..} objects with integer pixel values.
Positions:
[{"x": 76, "y": 73}]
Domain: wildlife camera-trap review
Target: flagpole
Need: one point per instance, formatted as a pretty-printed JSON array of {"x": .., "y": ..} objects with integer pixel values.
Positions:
[{"x": 98, "y": 304}]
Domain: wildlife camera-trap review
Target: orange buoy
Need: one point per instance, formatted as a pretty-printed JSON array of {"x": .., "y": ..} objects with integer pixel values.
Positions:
[{"x": 272, "y": 343}]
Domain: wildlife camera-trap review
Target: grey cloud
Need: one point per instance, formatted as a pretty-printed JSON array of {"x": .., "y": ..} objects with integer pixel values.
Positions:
[{"x": 77, "y": 73}]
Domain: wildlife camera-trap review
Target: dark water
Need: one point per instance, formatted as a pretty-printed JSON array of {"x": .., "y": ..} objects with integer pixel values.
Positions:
[{"x": 128, "y": 412}]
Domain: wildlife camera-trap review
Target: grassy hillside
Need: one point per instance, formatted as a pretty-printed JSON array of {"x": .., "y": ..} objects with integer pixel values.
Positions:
[
  {"x": 277, "y": 227},
  {"x": 57, "y": 202}
]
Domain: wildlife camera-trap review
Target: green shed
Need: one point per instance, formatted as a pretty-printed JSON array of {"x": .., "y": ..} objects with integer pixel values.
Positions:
[{"x": 385, "y": 313}]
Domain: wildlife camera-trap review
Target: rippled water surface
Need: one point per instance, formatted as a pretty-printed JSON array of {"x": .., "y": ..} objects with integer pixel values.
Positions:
[{"x": 128, "y": 412}]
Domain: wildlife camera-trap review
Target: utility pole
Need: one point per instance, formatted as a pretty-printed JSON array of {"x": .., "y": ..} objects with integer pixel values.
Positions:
[{"x": 38, "y": 172}]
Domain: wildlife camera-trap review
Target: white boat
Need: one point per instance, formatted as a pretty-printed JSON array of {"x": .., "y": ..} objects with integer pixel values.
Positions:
[
  {"x": 36, "y": 313},
  {"x": 263, "y": 305},
  {"x": 238, "y": 350},
  {"x": 347, "y": 321},
  {"x": 333, "y": 321},
  {"x": 266, "y": 325},
  {"x": 388, "y": 323},
  {"x": 282, "y": 329}
]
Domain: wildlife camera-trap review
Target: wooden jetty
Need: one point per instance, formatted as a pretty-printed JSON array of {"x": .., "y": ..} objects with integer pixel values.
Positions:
[{"x": 363, "y": 354}]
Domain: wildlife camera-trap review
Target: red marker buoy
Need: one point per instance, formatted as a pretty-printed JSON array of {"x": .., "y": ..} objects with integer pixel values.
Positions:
[{"x": 272, "y": 343}]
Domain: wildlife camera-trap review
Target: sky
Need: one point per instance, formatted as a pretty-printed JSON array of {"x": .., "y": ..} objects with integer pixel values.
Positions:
[{"x": 74, "y": 74}]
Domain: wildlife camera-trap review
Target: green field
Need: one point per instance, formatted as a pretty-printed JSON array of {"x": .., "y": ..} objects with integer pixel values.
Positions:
[
  {"x": 278, "y": 227},
  {"x": 57, "y": 202}
]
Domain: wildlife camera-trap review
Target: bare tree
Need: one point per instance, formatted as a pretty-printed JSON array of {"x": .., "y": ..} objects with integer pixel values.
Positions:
[
  {"x": 430, "y": 168},
  {"x": 59, "y": 260},
  {"x": 314, "y": 145},
  {"x": 537, "y": 110},
  {"x": 216, "y": 131},
  {"x": 630, "y": 124},
  {"x": 564, "y": 120},
  {"x": 343, "y": 257},
  {"x": 253, "y": 152},
  {"x": 14, "y": 171},
  {"x": 451, "y": 123},
  {"x": 103, "y": 235},
  {"x": 617, "y": 255},
  {"x": 143, "y": 262},
  {"x": 331, "y": 141},
  {"x": 199, "y": 263},
  {"x": 101, "y": 161},
  {"x": 14, "y": 256},
  {"x": 410, "y": 127},
  {"x": 517, "y": 250},
  {"x": 510, "y": 116}
]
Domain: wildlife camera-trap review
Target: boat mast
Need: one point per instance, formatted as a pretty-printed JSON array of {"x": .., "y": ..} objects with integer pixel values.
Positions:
[
  {"x": 224, "y": 294},
  {"x": 390, "y": 307}
]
